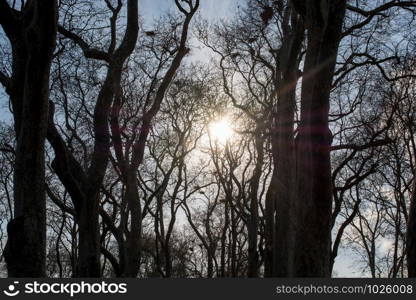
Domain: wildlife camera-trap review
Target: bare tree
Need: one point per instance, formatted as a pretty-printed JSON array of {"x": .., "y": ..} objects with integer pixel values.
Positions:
[
  {"x": 31, "y": 32},
  {"x": 84, "y": 184}
]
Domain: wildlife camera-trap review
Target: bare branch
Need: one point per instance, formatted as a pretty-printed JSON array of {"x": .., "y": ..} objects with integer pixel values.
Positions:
[
  {"x": 372, "y": 144},
  {"x": 88, "y": 51},
  {"x": 374, "y": 12},
  {"x": 8, "y": 19}
]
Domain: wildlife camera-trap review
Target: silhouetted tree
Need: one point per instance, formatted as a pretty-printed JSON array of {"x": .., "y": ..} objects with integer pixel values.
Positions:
[{"x": 31, "y": 31}]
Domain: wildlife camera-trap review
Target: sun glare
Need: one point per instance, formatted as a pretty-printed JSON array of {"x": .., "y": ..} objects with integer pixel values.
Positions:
[{"x": 220, "y": 130}]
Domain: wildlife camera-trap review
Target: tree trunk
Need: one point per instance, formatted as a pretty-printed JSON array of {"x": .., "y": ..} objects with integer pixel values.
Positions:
[
  {"x": 33, "y": 41},
  {"x": 411, "y": 235},
  {"x": 284, "y": 150},
  {"x": 253, "y": 221},
  {"x": 84, "y": 186},
  {"x": 133, "y": 240},
  {"x": 313, "y": 201},
  {"x": 279, "y": 228},
  {"x": 269, "y": 232},
  {"x": 89, "y": 239}
]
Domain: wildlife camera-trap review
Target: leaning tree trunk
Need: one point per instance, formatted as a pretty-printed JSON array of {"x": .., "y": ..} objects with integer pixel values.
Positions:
[
  {"x": 313, "y": 201},
  {"x": 130, "y": 162},
  {"x": 133, "y": 240},
  {"x": 32, "y": 34}
]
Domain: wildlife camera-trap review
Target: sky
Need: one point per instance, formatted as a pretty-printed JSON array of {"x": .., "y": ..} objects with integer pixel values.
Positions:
[{"x": 211, "y": 9}]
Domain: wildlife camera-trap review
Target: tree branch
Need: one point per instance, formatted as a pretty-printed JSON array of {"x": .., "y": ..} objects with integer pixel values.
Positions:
[
  {"x": 370, "y": 14},
  {"x": 130, "y": 37},
  {"x": 8, "y": 19},
  {"x": 55, "y": 199},
  {"x": 65, "y": 165},
  {"x": 5, "y": 81},
  {"x": 376, "y": 143},
  {"x": 88, "y": 51}
]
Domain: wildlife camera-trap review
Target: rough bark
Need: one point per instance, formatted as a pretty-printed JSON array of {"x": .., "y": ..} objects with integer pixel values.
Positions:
[
  {"x": 313, "y": 201},
  {"x": 278, "y": 233}
]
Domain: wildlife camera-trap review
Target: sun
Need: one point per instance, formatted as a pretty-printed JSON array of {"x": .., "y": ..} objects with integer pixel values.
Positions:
[{"x": 220, "y": 130}]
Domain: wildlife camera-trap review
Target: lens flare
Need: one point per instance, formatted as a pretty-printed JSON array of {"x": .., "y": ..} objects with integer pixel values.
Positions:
[{"x": 220, "y": 130}]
